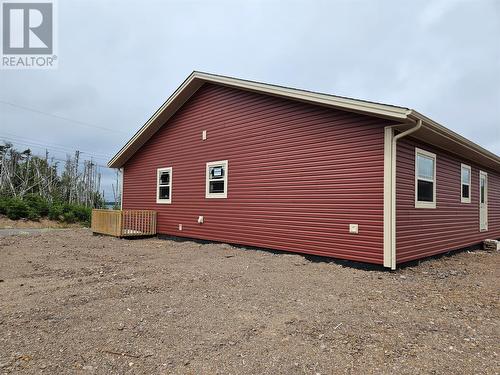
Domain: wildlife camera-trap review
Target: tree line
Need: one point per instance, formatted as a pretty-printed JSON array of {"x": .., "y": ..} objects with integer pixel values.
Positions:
[{"x": 31, "y": 186}]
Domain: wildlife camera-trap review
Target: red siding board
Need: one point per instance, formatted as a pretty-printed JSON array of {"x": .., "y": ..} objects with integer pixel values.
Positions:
[
  {"x": 452, "y": 225},
  {"x": 299, "y": 174}
]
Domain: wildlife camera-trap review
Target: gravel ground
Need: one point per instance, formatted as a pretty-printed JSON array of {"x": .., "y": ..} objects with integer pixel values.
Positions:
[
  {"x": 71, "y": 302},
  {"x": 25, "y": 231}
]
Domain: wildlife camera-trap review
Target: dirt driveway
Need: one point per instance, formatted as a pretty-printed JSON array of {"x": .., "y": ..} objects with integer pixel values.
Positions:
[{"x": 74, "y": 303}]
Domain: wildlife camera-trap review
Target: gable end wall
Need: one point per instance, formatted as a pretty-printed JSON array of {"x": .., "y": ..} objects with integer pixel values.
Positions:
[{"x": 298, "y": 175}]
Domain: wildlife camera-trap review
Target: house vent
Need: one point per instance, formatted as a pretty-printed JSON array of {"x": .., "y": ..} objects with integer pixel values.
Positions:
[{"x": 491, "y": 245}]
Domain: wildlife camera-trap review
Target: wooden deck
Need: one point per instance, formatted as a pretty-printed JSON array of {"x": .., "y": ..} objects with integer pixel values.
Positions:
[{"x": 124, "y": 223}]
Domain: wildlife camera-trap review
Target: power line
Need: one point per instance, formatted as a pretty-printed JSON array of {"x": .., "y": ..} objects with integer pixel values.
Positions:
[
  {"x": 67, "y": 151},
  {"x": 28, "y": 142},
  {"x": 44, "y": 143},
  {"x": 54, "y": 158},
  {"x": 61, "y": 117},
  {"x": 81, "y": 162}
]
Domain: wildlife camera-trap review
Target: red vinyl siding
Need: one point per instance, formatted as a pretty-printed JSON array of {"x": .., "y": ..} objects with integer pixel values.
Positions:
[
  {"x": 298, "y": 174},
  {"x": 452, "y": 225}
]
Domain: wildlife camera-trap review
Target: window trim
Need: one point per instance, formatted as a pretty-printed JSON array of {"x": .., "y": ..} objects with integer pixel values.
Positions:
[
  {"x": 158, "y": 173},
  {"x": 207, "y": 179},
  {"x": 485, "y": 196},
  {"x": 462, "y": 198},
  {"x": 422, "y": 204}
]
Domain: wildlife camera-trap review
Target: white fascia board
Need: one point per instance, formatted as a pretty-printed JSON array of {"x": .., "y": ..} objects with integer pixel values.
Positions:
[
  {"x": 396, "y": 113},
  {"x": 453, "y": 136},
  {"x": 197, "y": 79},
  {"x": 116, "y": 162}
]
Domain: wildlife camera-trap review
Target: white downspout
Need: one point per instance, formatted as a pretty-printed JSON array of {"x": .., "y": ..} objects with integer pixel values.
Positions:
[
  {"x": 122, "y": 170},
  {"x": 393, "y": 187}
]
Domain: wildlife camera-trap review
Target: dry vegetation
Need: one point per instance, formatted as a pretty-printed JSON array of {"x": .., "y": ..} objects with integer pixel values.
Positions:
[
  {"x": 6, "y": 223},
  {"x": 71, "y": 302}
]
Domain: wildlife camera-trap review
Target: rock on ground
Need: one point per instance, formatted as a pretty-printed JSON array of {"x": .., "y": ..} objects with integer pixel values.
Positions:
[{"x": 71, "y": 302}]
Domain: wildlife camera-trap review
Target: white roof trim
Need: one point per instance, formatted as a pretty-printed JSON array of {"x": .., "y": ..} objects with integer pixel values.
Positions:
[
  {"x": 307, "y": 96},
  {"x": 197, "y": 79}
]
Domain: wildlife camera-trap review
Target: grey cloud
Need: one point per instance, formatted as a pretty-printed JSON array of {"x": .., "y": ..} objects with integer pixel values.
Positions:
[{"x": 120, "y": 60}]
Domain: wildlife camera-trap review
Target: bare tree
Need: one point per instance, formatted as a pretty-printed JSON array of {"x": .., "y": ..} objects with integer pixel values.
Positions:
[{"x": 22, "y": 173}]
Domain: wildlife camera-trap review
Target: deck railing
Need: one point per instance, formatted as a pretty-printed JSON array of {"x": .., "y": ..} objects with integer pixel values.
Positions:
[{"x": 124, "y": 223}]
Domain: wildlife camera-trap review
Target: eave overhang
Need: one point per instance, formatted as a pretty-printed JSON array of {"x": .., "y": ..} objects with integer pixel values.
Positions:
[{"x": 431, "y": 132}]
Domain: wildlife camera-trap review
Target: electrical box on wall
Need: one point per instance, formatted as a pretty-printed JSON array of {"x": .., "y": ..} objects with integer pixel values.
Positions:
[
  {"x": 353, "y": 228},
  {"x": 203, "y": 135}
]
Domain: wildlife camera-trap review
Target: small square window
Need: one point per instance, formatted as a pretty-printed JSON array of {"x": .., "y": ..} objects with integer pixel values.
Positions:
[
  {"x": 425, "y": 191},
  {"x": 165, "y": 177},
  {"x": 465, "y": 193},
  {"x": 164, "y": 185},
  {"x": 164, "y": 192},
  {"x": 216, "y": 187},
  {"x": 465, "y": 183},
  {"x": 216, "y": 179}
]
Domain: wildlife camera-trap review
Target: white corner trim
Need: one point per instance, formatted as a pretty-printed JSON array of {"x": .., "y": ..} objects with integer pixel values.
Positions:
[
  {"x": 207, "y": 180},
  {"x": 390, "y": 161},
  {"x": 122, "y": 175},
  {"x": 389, "y": 254},
  {"x": 158, "y": 171}
]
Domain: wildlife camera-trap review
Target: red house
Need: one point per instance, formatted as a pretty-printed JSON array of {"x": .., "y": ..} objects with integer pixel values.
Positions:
[{"x": 243, "y": 162}]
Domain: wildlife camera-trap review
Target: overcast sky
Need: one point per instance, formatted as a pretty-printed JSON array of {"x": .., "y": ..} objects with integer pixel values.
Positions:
[{"x": 120, "y": 60}]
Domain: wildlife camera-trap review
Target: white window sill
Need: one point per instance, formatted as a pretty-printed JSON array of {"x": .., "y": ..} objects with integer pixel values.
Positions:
[
  {"x": 216, "y": 195},
  {"x": 164, "y": 201},
  {"x": 431, "y": 205}
]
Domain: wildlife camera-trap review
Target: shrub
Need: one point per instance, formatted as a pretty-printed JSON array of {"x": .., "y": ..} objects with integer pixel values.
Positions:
[
  {"x": 37, "y": 204},
  {"x": 3, "y": 205},
  {"x": 33, "y": 207},
  {"x": 82, "y": 213},
  {"x": 70, "y": 213},
  {"x": 77, "y": 213},
  {"x": 68, "y": 217},
  {"x": 18, "y": 209},
  {"x": 55, "y": 212}
]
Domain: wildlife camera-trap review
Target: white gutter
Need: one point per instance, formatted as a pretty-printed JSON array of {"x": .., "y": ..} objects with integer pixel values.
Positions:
[
  {"x": 453, "y": 137},
  {"x": 197, "y": 79},
  {"x": 390, "y": 196}
]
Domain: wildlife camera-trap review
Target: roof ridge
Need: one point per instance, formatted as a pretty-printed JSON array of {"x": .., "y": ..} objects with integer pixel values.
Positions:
[
  {"x": 387, "y": 111},
  {"x": 300, "y": 89}
]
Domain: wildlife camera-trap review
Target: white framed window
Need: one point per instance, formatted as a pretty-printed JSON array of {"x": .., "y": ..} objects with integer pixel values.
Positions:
[
  {"x": 164, "y": 185},
  {"x": 216, "y": 179},
  {"x": 425, "y": 179},
  {"x": 465, "y": 178},
  {"x": 483, "y": 201}
]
